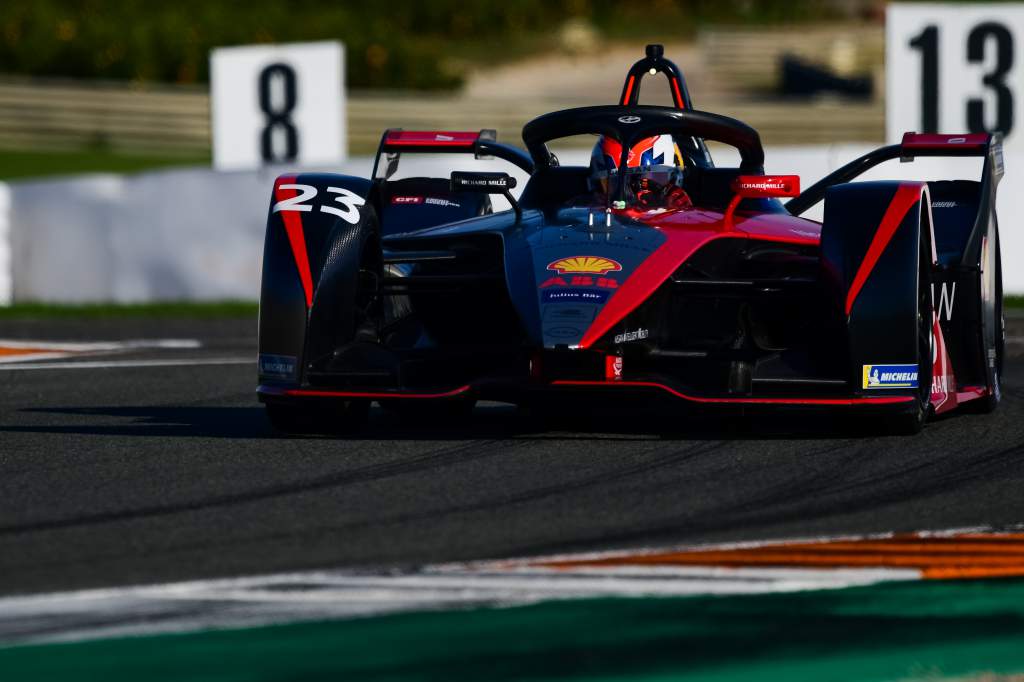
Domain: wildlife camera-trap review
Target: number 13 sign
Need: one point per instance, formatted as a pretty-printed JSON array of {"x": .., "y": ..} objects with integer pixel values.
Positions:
[
  {"x": 954, "y": 68},
  {"x": 278, "y": 104}
]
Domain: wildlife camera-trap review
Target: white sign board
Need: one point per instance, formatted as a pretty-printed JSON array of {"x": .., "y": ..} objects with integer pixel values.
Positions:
[
  {"x": 6, "y": 265},
  {"x": 955, "y": 69},
  {"x": 278, "y": 104}
]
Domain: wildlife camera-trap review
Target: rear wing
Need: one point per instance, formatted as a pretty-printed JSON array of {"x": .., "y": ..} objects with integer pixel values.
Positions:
[
  {"x": 989, "y": 146},
  {"x": 481, "y": 145}
]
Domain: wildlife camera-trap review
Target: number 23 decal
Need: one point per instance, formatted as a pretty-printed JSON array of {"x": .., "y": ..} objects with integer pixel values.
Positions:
[{"x": 349, "y": 201}]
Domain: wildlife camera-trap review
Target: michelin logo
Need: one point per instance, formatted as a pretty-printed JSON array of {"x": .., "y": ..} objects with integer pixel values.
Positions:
[
  {"x": 890, "y": 376},
  {"x": 278, "y": 366}
]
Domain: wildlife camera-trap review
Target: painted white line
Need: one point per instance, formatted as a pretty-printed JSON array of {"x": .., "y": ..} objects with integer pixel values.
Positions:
[
  {"x": 51, "y": 350},
  {"x": 90, "y": 346},
  {"x": 6, "y": 269},
  {"x": 295, "y": 597},
  {"x": 318, "y": 595},
  {"x": 113, "y": 364}
]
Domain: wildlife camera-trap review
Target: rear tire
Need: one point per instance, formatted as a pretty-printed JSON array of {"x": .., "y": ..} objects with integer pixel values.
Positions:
[
  {"x": 333, "y": 419},
  {"x": 908, "y": 424},
  {"x": 994, "y": 347},
  {"x": 913, "y": 421}
]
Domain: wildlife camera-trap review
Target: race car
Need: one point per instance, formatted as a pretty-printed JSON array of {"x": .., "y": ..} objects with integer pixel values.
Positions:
[{"x": 648, "y": 274}]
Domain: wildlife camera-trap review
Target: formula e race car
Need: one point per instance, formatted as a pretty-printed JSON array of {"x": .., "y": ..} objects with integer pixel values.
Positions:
[{"x": 649, "y": 274}]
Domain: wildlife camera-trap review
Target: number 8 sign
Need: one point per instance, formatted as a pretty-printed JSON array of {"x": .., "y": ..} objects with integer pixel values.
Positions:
[
  {"x": 278, "y": 104},
  {"x": 953, "y": 68}
]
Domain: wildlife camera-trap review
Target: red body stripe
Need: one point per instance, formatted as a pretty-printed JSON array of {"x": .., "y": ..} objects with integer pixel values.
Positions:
[
  {"x": 967, "y": 393},
  {"x": 629, "y": 91},
  {"x": 884, "y": 400},
  {"x": 304, "y": 392},
  {"x": 312, "y": 393},
  {"x": 659, "y": 266},
  {"x": 679, "y": 97},
  {"x": 296, "y": 238},
  {"x": 906, "y": 196},
  {"x": 946, "y": 397}
]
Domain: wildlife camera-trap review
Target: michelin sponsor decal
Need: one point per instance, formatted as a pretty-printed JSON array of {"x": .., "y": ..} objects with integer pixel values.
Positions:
[
  {"x": 278, "y": 366},
  {"x": 890, "y": 376}
]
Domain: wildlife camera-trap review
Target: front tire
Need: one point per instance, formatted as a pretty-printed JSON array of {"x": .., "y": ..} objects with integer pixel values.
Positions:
[{"x": 993, "y": 334}]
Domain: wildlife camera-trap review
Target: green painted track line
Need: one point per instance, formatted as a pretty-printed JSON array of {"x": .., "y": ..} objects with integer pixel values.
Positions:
[{"x": 893, "y": 631}]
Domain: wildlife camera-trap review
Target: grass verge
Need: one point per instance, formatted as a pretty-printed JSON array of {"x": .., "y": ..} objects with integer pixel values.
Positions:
[
  {"x": 108, "y": 310},
  {"x": 29, "y": 164}
]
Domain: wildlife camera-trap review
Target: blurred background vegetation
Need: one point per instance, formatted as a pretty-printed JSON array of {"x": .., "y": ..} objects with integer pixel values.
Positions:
[{"x": 412, "y": 45}]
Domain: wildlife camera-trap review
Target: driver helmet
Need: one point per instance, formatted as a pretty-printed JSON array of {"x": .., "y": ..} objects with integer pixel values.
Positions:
[{"x": 652, "y": 173}]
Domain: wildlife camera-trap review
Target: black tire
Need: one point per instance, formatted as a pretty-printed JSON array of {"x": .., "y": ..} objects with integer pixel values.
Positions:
[
  {"x": 993, "y": 337},
  {"x": 912, "y": 421},
  {"x": 332, "y": 419}
]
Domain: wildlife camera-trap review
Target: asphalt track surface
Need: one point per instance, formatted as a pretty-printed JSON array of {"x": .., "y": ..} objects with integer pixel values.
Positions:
[{"x": 113, "y": 475}]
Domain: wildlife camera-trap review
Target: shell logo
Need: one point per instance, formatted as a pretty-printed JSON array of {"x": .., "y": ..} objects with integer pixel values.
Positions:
[{"x": 585, "y": 265}]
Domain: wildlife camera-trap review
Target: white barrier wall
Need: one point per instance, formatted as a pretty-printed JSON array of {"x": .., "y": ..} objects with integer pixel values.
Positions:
[
  {"x": 6, "y": 285},
  {"x": 197, "y": 234},
  {"x": 187, "y": 235}
]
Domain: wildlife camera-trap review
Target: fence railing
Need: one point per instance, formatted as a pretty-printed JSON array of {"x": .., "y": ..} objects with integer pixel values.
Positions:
[
  {"x": 176, "y": 120},
  {"x": 741, "y": 60}
]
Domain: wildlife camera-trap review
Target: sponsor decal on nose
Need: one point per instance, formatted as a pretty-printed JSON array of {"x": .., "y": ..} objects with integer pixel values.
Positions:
[
  {"x": 574, "y": 295},
  {"x": 585, "y": 265}
]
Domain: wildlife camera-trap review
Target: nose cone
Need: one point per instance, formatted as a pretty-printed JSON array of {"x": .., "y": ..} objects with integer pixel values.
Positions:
[
  {"x": 572, "y": 290},
  {"x": 578, "y": 271}
]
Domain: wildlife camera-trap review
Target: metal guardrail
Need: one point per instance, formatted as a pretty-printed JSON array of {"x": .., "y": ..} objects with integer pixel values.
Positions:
[
  {"x": 51, "y": 115},
  {"x": 64, "y": 114}
]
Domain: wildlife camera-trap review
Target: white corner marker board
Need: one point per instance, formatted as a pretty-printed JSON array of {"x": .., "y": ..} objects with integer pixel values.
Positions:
[
  {"x": 278, "y": 104},
  {"x": 6, "y": 264},
  {"x": 955, "y": 69}
]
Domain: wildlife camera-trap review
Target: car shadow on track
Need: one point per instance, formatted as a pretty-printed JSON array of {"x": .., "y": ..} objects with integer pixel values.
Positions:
[{"x": 486, "y": 421}]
